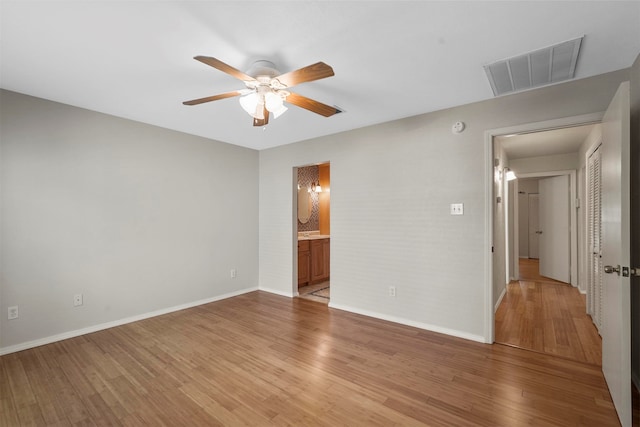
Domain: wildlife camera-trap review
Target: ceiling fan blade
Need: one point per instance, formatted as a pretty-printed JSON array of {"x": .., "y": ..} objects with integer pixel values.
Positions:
[
  {"x": 262, "y": 122},
  {"x": 225, "y": 68},
  {"x": 214, "y": 98},
  {"x": 311, "y": 105},
  {"x": 317, "y": 71}
]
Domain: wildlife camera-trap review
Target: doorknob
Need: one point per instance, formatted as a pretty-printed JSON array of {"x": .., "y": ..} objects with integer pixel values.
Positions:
[
  {"x": 611, "y": 269},
  {"x": 539, "y": 232}
]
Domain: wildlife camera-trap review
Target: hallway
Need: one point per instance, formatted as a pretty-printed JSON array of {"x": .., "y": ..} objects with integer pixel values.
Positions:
[{"x": 547, "y": 316}]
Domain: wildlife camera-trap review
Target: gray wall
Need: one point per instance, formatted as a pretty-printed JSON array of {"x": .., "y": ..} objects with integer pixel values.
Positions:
[
  {"x": 141, "y": 219},
  {"x": 400, "y": 232},
  {"x": 136, "y": 218},
  {"x": 551, "y": 163}
]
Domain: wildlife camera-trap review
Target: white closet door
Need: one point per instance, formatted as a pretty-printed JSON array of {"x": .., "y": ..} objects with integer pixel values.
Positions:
[{"x": 594, "y": 288}]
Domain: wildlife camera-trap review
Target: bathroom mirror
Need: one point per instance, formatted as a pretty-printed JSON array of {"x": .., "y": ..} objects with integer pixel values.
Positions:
[{"x": 304, "y": 205}]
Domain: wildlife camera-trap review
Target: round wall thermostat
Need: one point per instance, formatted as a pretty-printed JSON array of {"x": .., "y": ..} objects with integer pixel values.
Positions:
[{"x": 457, "y": 127}]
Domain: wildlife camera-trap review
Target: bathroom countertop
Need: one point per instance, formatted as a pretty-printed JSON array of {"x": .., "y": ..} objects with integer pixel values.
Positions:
[{"x": 314, "y": 237}]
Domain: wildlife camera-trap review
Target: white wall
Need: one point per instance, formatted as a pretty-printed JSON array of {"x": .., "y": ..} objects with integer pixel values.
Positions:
[
  {"x": 136, "y": 218},
  {"x": 499, "y": 231},
  {"x": 557, "y": 162},
  {"x": 391, "y": 186}
]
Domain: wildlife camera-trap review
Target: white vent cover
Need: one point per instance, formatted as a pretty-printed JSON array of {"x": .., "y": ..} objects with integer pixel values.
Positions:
[{"x": 538, "y": 68}]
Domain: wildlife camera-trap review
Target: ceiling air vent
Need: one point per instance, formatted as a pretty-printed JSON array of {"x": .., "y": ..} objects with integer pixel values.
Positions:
[{"x": 537, "y": 68}]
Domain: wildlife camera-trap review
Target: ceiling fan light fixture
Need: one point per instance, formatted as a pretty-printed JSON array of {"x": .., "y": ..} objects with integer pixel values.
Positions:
[
  {"x": 274, "y": 102},
  {"x": 249, "y": 102},
  {"x": 266, "y": 89},
  {"x": 280, "y": 111},
  {"x": 259, "y": 111}
]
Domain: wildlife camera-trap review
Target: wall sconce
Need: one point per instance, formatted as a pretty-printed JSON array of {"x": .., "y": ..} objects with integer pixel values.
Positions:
[
  {"x": 315, "y": 188},
  {"x": 509, "y": 174}
]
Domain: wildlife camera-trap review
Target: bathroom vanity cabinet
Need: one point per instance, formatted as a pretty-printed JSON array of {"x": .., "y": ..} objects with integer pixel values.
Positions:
[
  {"x": 304, "y": 263},
  {"x": 313, "y": 261}
]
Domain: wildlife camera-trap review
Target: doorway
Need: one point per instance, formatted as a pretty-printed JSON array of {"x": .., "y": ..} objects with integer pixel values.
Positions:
[
  {"x": 313, "y": 232},
  {"x": 616, "y": 232},
  {"x": 541, "y": 310},
  {"x": 529, "y": 312}
]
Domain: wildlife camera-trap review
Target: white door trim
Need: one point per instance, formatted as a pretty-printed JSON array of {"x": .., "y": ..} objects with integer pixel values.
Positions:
[{"x": 489, "y": 318}]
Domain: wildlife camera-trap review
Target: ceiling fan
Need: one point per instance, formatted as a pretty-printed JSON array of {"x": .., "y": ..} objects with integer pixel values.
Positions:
[{"x": 267, "y": 90}]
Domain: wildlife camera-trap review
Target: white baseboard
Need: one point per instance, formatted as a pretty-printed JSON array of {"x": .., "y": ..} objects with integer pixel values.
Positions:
[
  {"x": 402, "y": 321},
  {"x": 278, "y": 292},
  {"x": 502, "y": 294},
  {"x": 72, "y": 334}
]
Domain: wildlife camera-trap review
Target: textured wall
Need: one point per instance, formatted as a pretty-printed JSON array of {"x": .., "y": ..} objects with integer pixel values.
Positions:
[
  {"x": 136, "y": 218},
  {"x": 399, "y": 232}
]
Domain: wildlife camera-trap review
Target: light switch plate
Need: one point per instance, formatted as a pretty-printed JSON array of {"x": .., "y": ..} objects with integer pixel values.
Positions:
[{"x": 457, "y": 209}]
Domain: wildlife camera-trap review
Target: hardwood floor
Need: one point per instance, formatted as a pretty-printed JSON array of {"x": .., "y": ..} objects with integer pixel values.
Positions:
[
  {"x": 261, "y": 359},
  {"x": 548, "y": 316}
]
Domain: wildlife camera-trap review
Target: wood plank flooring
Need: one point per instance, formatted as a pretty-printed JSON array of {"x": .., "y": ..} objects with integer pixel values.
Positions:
[
  {"x": 261, "y": 359},
  {"x": 548, "y": 316}
]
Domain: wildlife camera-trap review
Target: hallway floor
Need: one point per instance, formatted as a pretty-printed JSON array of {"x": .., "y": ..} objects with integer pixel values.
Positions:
[{"x": 547, "y": 316}]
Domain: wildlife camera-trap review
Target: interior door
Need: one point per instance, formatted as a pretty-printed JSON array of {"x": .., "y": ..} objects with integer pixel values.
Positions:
[
  {"x": 616, "y": 322},
  {"x": 554, "y": 210},
  {"x": 594, "y": 222},
  {"x": 534, "y": 226}
]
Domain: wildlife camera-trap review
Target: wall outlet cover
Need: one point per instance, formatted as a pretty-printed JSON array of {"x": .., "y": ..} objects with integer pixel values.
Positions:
[{"x": 12, "y": 312}]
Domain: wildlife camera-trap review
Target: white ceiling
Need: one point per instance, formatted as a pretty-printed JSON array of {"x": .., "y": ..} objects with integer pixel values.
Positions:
[
  {"x": 392, "y": 59},
  {"x": 545, "y": 143}
]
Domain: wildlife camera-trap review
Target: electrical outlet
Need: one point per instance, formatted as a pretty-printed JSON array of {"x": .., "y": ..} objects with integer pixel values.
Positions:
[
  {"x": 234, "y": 273},
  {"x": 392, "y": 291},
  {"x": 12, "y": 312},
  {"x": 77, "y": 300}
]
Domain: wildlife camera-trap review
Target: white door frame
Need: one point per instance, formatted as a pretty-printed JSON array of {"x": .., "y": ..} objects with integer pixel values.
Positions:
[{"x": 489, "y": 320}]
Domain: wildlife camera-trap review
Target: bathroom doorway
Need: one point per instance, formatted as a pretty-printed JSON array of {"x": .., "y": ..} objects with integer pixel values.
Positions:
[{"x": 313, "y": 200}]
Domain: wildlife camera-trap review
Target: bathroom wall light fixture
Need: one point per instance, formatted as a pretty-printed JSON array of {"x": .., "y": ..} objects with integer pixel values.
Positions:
[
  {"x": 316, "y": 187},
  {"x": 509, "y": 174}
]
